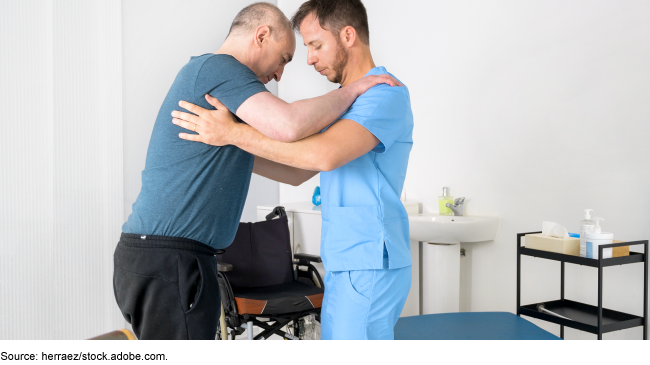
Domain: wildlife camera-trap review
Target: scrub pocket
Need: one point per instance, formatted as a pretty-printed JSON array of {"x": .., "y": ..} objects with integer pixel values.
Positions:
[
  {"x": 344, "y": 315},
  {"x": 359, "y": 285},
  {"x": 353, "y": 236}
]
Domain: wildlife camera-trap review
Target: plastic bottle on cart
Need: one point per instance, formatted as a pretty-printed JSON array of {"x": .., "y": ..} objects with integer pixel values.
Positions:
[
  {"x": 596, "y": 238},
  {"x": 586, "y": 226}
]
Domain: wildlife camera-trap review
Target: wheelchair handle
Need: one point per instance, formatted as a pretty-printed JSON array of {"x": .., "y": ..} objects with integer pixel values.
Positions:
[{"x": 277, "y": 212}]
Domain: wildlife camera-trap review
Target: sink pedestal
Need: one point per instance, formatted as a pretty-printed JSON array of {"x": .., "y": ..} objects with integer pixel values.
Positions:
[
  {"x": 439, "y": 240},
  {"x": 440, "y": 278}
]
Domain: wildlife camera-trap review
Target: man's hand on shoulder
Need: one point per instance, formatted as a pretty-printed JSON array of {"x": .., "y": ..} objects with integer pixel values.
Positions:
[
  {"x": 214, "y": 127},
  {"x": 366, "y": 83}
]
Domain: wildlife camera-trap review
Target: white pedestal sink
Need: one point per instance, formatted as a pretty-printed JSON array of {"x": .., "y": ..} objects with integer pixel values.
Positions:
[{"x": 439, "y": 240}]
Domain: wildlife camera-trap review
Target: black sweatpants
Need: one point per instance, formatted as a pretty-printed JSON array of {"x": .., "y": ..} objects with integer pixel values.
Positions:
[{"x": 167, "y": 287}]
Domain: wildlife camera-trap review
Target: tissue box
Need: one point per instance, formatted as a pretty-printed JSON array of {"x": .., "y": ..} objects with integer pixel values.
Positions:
[{"x": 568, "y": 246}]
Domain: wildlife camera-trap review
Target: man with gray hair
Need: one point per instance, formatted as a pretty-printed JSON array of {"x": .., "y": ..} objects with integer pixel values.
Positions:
[{"x": 193, "y": 194}]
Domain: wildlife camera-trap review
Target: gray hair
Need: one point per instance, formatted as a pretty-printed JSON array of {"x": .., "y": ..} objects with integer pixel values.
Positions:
[{"x": 258, "y": 14}]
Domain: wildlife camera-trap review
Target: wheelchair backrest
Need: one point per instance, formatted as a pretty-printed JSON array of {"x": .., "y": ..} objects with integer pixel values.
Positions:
[{"x": 260, "y": 254}]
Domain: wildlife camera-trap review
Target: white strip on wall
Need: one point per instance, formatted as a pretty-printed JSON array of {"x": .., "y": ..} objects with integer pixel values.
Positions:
[{"x": 61, "y": 188}]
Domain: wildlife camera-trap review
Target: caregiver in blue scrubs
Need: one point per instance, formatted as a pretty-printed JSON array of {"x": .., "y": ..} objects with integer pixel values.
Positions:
[{"x": 363, "y": 157}]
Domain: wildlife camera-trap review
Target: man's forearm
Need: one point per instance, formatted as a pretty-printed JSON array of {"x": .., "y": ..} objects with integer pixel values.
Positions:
[
  {"x": 281, "y": 173},
  {"x": 312, "y": 115},
  {"x": 286, "y": 122}
]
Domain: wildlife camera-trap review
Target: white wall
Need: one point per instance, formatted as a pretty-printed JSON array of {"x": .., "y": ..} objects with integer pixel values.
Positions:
[
  {"x": 533, "y": 110},
  {"x": 60, "y": 167},
  {"x": 159, "y": 37}
]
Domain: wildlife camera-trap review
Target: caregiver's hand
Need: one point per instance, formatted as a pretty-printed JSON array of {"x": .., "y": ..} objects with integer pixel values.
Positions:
[{"x": 214, "y": 127}]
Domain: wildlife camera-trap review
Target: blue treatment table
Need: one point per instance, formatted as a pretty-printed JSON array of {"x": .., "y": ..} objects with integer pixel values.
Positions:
[{"x": 469, "y": 326}]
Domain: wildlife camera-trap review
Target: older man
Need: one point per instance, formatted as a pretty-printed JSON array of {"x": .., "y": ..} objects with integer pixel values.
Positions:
[
  {"x": 363, "y": 156},
  {"x": 193, "y": 194}
]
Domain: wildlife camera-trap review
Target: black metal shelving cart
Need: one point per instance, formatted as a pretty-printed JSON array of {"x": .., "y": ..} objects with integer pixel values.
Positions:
[{"x": 585, "y": 317}]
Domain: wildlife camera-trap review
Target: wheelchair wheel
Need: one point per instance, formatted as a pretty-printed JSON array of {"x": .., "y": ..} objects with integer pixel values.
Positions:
[{"x": 222, "y": 331}]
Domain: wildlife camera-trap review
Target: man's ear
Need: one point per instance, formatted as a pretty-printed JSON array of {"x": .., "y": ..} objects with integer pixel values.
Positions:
[
  {"x": 348, "y": 36},
  {"x": 263, "y": 34}
]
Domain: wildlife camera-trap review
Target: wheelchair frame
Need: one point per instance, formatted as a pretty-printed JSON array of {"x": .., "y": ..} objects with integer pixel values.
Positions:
[{"x": 237, "y": 323}]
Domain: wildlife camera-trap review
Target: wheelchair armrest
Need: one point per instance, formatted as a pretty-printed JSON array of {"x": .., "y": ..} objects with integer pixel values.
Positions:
[
  {"x": 223, "y": 267},
  {"x": 306, "y": 258}
]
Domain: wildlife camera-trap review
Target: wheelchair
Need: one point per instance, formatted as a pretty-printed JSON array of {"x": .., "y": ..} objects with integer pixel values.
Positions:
[{"x": 263, "y": 285}]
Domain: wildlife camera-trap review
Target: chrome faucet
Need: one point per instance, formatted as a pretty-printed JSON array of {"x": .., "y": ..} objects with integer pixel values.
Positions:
[{"x": 458, "y": 207}]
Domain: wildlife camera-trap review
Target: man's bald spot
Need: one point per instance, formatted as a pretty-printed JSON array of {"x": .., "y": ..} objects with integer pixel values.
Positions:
[{"x": 256, "y": 15}]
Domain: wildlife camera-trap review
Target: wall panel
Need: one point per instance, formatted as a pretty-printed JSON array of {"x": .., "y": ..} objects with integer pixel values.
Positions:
[{"x": 61, "y": 185}]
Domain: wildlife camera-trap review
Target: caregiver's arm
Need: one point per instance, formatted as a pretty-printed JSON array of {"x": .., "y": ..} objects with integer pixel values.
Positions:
[
  {"x": 288, "y": 122},
  {"x": 341, "y": 143}
]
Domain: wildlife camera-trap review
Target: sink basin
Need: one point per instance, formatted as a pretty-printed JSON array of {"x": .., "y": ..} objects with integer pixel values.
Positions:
[{"x": 444, "y": 229}]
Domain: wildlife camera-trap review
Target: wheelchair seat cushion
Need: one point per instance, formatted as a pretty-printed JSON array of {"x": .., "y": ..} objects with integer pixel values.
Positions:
[{"x": 284, "y": 298}]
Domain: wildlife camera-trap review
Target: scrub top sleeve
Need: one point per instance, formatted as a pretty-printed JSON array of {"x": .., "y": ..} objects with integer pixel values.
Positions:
[{"x": 382, "y": 111}]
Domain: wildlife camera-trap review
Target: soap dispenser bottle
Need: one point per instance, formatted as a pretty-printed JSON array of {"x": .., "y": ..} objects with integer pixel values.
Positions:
[
  {"x": 586, "y": 225},
  {"x": 443, "y": 200},
  {"x": 597, "y": 237}
]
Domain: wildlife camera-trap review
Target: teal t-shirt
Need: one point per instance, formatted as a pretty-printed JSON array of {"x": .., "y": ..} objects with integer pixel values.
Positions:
[{"x": 189, "y": 189}]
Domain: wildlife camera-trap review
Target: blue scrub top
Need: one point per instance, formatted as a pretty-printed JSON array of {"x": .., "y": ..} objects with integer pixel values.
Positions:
[{"x": 361, "y": 207}]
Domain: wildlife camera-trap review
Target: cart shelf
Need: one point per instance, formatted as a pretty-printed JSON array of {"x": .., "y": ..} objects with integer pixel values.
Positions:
[
  {"x": 622, "y": 260},
  {"x": 585, "y": 317}
]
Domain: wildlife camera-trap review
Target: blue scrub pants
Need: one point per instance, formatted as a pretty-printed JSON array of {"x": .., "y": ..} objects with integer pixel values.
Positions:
[{"x": 363, "y": 304}]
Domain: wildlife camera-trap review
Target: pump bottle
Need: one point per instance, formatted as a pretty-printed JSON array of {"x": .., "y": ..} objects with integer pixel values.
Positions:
[
  {"x": 443, "y": 200},
  {"x": 596, "y": 238},
  {"x": 586, "y": 226}
]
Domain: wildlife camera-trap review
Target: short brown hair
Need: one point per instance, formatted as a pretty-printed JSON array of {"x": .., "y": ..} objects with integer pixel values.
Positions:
[{"x": 336, "y": 14}]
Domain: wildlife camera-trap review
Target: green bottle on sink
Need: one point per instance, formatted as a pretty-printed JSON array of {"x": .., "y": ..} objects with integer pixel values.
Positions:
[{"x": 443, "y": 200}]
